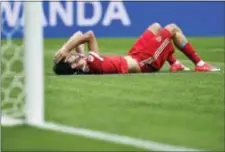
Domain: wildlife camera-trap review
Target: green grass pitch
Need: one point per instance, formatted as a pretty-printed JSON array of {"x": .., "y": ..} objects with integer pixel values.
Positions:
[{"x": 185, "y": 109}]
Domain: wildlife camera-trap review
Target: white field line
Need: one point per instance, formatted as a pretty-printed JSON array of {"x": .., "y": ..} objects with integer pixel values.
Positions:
[{"x": 114, "y": 138}]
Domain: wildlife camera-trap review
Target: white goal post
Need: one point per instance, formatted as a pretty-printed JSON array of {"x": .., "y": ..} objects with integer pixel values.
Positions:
[
  {"x": 33, "y": 89},
  {"x": 33, "y": 34}
]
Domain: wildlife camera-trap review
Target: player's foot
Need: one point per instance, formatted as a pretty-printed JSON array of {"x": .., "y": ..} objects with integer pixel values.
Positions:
[
  {"x": 206, "y": 68},
  {"x": 178, "y": 67}
]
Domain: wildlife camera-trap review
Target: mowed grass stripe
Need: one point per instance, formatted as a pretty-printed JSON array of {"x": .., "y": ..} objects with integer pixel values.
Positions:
[
  {"x": 121, "y": 90},
  {"x": 185, "y": 109},
  {"x": 104, "y": 106},
  {"x": 180, "y": 108},
  {"x": 117, "y": 99},
  {"x": 131, "y": 79}
]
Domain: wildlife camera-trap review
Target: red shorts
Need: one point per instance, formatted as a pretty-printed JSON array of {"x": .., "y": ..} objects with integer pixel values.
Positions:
[{"x": 151, "y": 51}]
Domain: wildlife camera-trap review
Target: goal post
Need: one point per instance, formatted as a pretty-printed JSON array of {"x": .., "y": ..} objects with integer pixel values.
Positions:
[
  {"x": 33, "y": 38},
  {"x": 22, "y": 76}
]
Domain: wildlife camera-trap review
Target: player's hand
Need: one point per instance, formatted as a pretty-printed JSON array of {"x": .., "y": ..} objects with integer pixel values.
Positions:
[
  {"x": 74, "y": 57},
  {"x": 71, "y": 58},
  {"x": 60, "y": 55}
]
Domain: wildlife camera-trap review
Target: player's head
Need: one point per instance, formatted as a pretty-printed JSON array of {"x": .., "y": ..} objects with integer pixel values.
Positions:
[
  {"x": 63, "y": 68},
  {"x": 73, "y": 65}
]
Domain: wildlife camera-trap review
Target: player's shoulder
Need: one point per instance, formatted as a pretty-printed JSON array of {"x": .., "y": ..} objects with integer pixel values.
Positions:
[{"x": 92, "y": 56}]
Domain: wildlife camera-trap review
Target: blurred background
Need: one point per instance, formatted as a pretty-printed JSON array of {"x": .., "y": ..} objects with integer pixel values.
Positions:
[
  {"x": 184, "y": 109},
  {"x": 122, "y": 19}
]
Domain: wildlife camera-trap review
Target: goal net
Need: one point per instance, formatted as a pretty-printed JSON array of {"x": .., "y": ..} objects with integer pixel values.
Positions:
[{"x": 21, "y": 63}]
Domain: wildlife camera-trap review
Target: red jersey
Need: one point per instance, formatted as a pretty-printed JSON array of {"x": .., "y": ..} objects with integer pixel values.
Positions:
[{"x": 106, "y": 64}]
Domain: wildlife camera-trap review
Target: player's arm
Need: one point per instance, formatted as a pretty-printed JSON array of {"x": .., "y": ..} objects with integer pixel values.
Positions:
[
  {"x": 92, "y": 43},
  {"x": 67, "y": 47},
  {"x": 75, "y": 41},
  {"x": 90, "y": 39},
  {"x": 80, "y": 49}
]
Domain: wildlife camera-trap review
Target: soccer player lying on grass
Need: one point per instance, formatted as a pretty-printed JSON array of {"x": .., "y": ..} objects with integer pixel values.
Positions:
[{"x": 152, "y": 49}]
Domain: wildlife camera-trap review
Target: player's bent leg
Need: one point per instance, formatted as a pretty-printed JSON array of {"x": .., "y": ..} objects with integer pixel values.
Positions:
[
  {"x": 155, "y": 28},
  {"x": 163, "y": 48},
  {"x": 171, "y": 58},
  {"x": 171, "y": 28},
  {"x": 182, "y": 43},
  {"x": 175, "y": 65},
  {"x": 146, "y": 36},
  {"x": 184, "y": 46}
]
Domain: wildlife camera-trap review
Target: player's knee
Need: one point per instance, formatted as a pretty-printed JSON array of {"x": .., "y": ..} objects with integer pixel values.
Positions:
[
  {"x": 156, "y": 25},
  {"x": 172, "y": 28},
  {"x": 155, "y": 28},
  {"x": 173, "y": 24}
]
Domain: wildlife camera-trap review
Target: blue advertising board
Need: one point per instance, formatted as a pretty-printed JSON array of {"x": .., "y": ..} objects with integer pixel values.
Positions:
[{"x": 120, "y": 19}]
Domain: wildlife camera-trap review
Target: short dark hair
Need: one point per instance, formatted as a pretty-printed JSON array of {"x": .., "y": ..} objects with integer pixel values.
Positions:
[{"x": 63, "y": 68}]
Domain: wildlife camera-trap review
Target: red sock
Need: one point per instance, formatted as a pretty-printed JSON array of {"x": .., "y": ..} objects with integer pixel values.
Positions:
[
  {"x": 171, "y": 59},
  {"x": 190, "y": 52}
]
